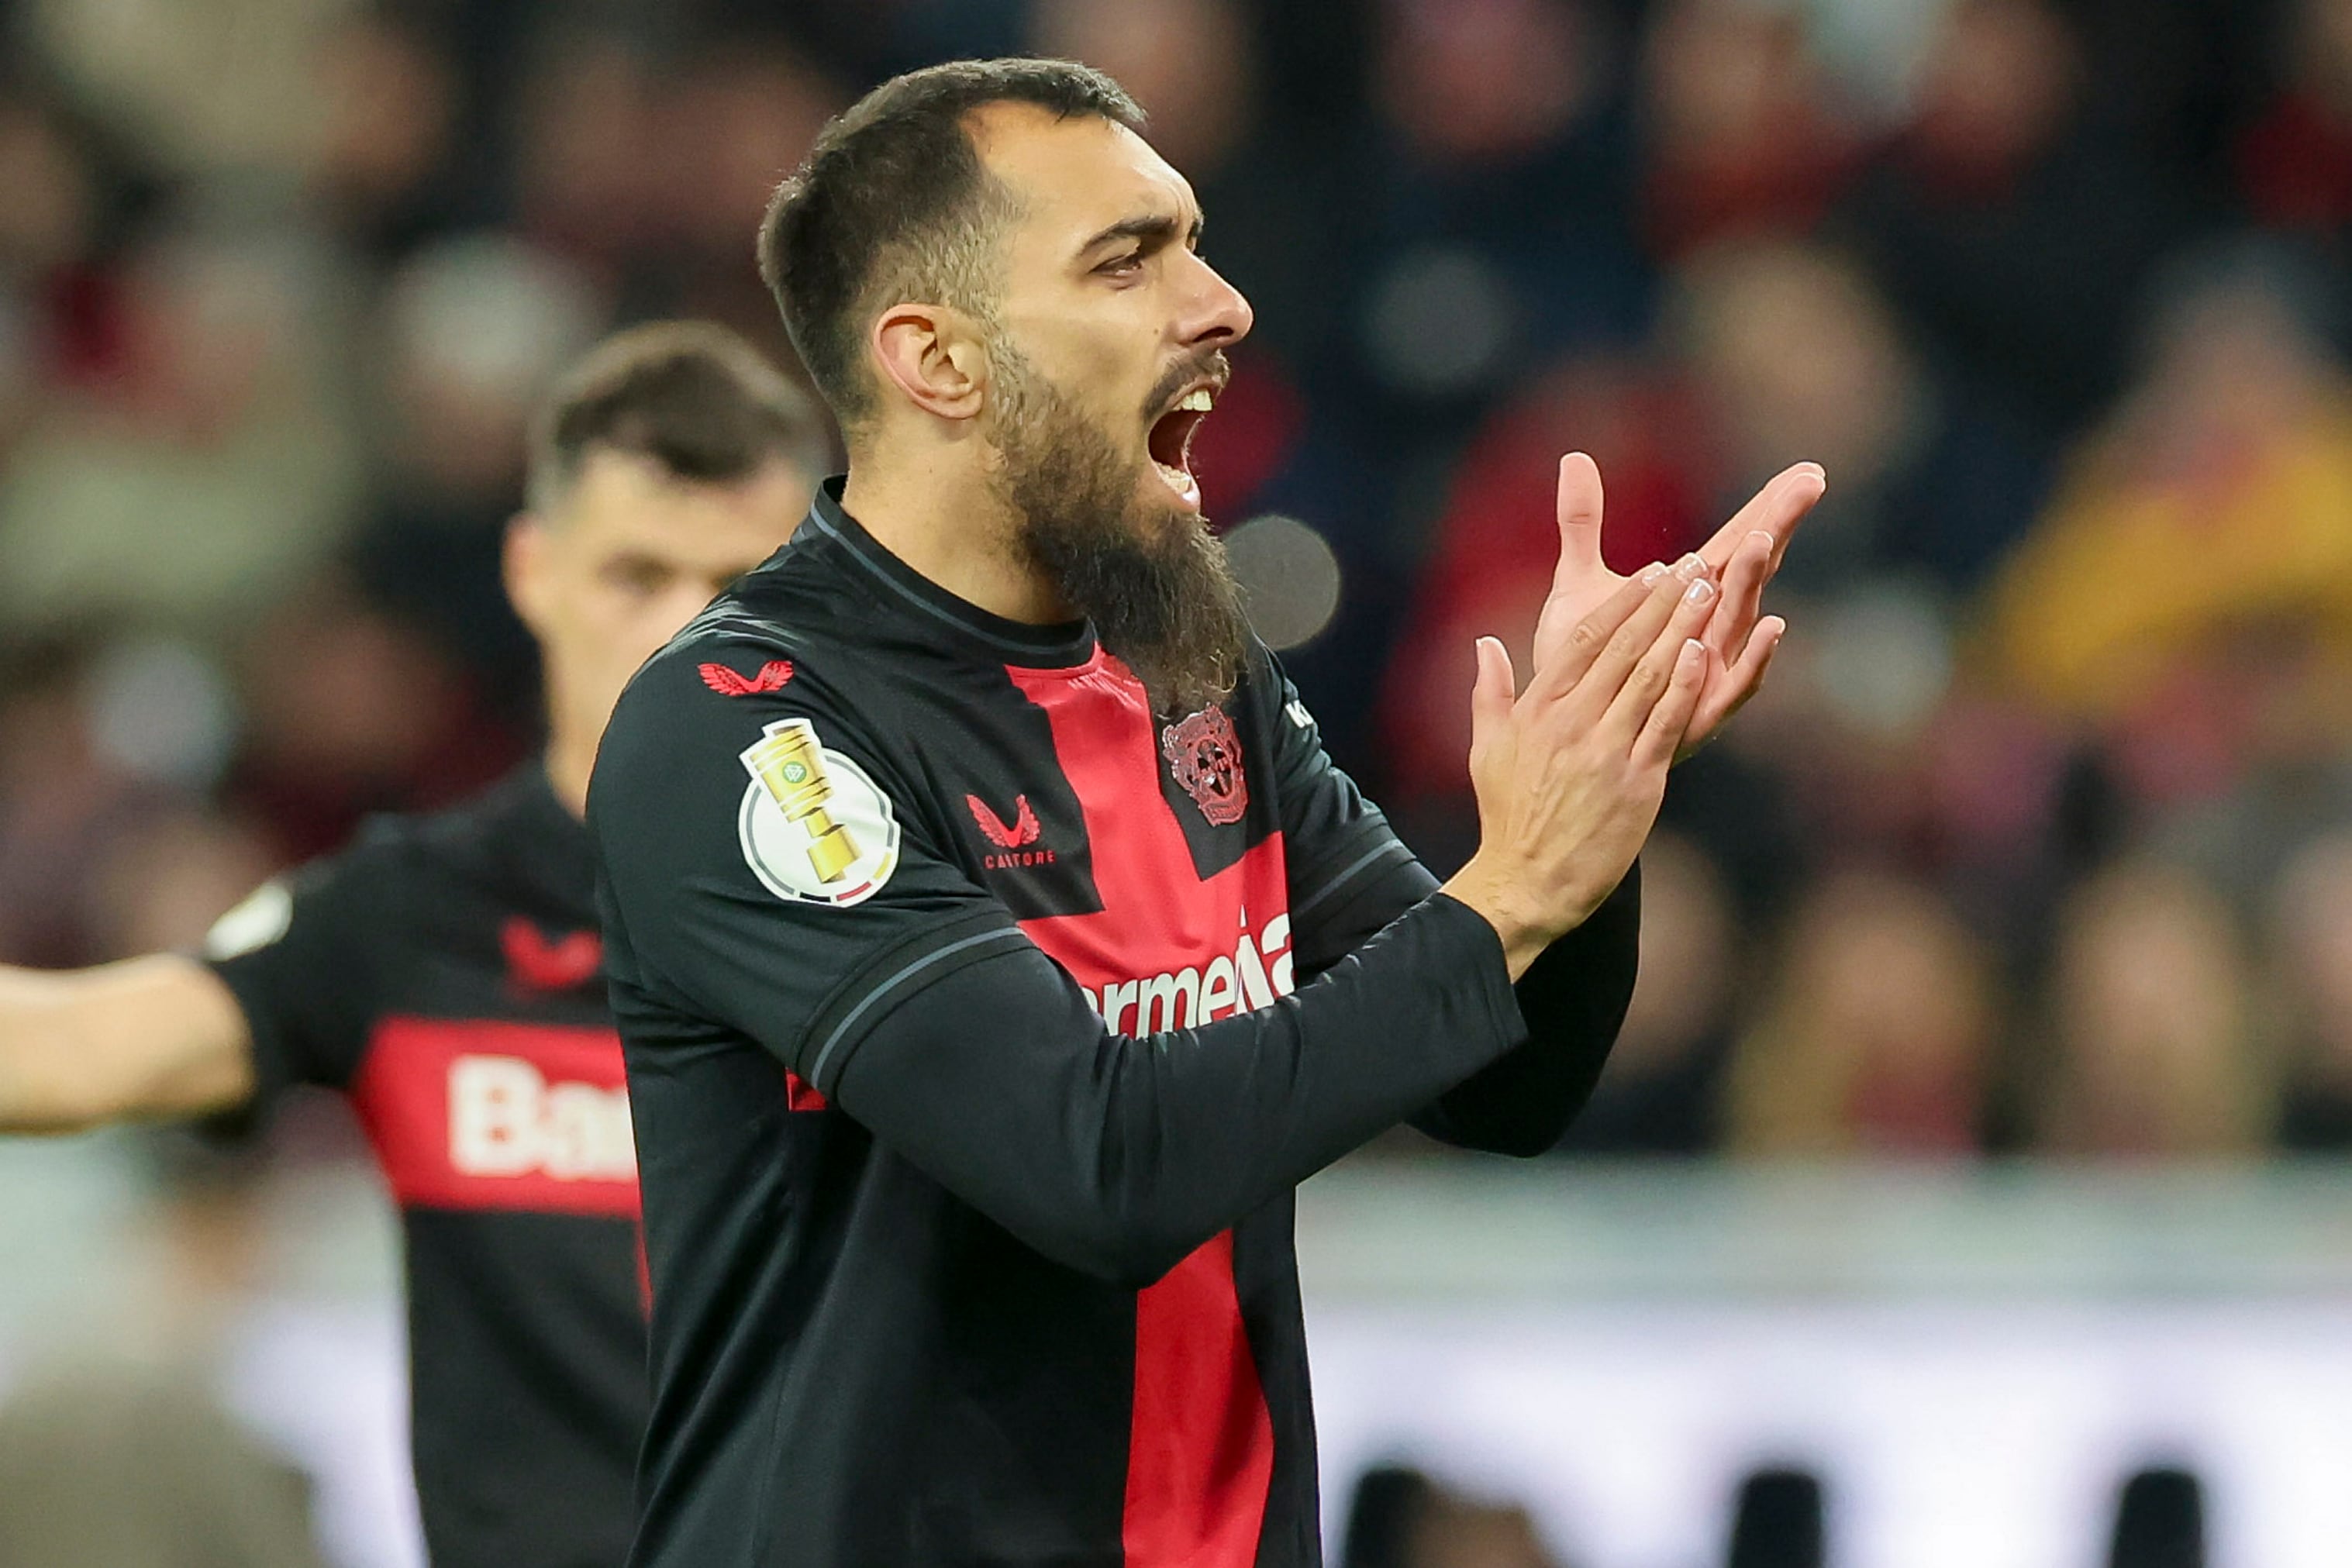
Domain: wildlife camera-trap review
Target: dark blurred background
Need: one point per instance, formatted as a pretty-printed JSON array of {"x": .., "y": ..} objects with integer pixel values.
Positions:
[
  {"x": 2035, "y": 842},
  {"x": 2039, "y": 842}
]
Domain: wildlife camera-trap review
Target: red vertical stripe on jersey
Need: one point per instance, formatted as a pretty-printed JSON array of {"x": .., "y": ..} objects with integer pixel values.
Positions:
[
  {"x": 1109, "y": 749},
  {"x": 479, "y": 1114},
  {"x": 1200, "y": 1453},
  {"x": 1200, "y": 1441}
]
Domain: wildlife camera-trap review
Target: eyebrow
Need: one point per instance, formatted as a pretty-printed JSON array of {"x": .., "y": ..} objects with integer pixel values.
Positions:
[{"x": 1155, "y": 230}]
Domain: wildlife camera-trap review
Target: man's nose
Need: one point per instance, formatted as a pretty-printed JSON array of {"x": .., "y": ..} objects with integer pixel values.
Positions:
[{"x": 1217, "y": 314}]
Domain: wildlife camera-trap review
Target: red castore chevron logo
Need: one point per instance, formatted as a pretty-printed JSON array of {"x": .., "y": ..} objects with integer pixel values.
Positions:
[
  {"x": 536, "y": 964},
  {"x": 1023, "y": 829},
  {"x": 727, "y": 683}
]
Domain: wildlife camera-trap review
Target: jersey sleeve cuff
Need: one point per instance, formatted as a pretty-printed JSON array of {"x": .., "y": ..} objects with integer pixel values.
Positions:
[
  {"x": 274, "y": 1069},
  {"x": 1483, "y": 963}
]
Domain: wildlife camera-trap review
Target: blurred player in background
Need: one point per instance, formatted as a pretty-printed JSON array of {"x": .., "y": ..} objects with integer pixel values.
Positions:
[{"x": 445, "y": 973}]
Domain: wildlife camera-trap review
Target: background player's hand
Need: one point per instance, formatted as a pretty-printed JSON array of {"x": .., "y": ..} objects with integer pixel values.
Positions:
[
  {"x": 1570, "y": 773},
  {"x": 1742, "y": 557}
]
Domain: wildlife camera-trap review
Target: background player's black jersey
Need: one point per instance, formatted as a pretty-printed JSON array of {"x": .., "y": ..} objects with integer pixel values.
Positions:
[
  {"x": 975, "y": 1041},
  {"x": 444, "y": 972}
]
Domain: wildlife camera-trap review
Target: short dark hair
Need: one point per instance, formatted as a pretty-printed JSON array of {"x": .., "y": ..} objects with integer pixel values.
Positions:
[
  {"x": 694, "y": 398},
  {"x": 894, "y": 196}
]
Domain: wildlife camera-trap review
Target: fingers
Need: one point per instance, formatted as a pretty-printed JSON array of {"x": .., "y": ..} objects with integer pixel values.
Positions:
[
  {"x": 1491, "y": 696},
  {"x": 1648, "y": 680},
  {"x": 1728, "y": 694},
  {"x": 1743, "y": 596},
  {"x": 1749, "y": 671},
  {"x": 1670, "y": 717},
  {"x": 1590, "y": 636},
  {"x": 1607, "y": 658},
  {"x": 1579, "y": 518},
  {"x": 1775, "y": 510}
]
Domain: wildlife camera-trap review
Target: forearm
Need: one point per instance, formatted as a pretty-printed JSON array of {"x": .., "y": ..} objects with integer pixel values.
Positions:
[
  {"x": 146, "y": 1038},
  {"x": 1572, "y": 994},
  {"x": 1573, "y": 997},
  {"x": 1119, "y": 1155},
  {"x": 45, "y": 1085}
]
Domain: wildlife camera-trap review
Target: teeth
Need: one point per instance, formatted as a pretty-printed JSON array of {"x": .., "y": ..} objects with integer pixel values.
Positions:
[
  {"x": 1200, "y": 401},
  {"x": 1176, "y": 479}
]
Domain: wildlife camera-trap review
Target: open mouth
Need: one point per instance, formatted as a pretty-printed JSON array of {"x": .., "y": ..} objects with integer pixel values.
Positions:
[{"x": 1170, "y": 442}]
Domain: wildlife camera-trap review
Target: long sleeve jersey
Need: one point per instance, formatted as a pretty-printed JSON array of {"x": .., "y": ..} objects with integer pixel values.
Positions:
[
  {"x": 980, "y": 1022},
  {"x": 443, "y": 972}
]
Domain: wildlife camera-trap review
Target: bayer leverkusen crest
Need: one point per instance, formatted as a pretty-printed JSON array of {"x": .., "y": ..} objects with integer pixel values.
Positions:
[{"x": 1204, "y": 756}]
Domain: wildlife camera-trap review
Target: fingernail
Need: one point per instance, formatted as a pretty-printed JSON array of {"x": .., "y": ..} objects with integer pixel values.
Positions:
[
  {"x": 1690, "y": 563},
  {"x": 1699, "y": 592},
  {"x": 1652, "y": 572}
]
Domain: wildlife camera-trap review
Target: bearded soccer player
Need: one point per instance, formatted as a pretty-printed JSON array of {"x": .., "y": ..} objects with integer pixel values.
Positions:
[
  {"x": 990, "y": 977},
  {"x": 443, "y": 972}
]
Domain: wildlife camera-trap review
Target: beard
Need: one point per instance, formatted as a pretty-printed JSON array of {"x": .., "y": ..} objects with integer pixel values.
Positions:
[{"x": 1152, "y": 579}]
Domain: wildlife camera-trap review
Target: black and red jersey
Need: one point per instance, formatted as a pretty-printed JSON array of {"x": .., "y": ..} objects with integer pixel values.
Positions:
[
  {"x": 445, "y": 973},
  {"x": 980, "y": 1021}
]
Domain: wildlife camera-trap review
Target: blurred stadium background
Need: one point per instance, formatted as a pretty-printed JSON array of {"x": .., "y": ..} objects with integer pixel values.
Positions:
[{"x": 1969, "y": 1185}]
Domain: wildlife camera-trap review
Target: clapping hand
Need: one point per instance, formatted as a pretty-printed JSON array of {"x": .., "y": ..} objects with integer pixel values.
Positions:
[
  {"x": 1741, "y": 558},
  {"x": 1631, "y": 673}
]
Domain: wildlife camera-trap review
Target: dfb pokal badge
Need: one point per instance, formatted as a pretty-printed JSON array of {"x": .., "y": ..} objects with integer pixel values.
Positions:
[
  {"x": 1204, "y": 757},
  {"x": 815, "y": 829}
]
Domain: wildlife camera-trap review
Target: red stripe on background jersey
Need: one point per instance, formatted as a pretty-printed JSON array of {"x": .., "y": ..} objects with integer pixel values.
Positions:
[
  {"x": 481, "y": 1114},
  {"x": 1200, "y": 1441}
]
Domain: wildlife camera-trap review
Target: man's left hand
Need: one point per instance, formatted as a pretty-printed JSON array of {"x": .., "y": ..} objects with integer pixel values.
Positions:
[{"x": 1741, "y": 556}]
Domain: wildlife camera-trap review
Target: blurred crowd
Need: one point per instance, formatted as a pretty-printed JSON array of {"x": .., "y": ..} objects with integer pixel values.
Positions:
[
  {"x": 1776, "y": 1516},
  {"x": 2041, "y": 838}
]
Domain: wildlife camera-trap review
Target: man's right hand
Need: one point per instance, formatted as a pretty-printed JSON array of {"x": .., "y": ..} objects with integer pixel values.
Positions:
[{"x": 1570, "y": 773}]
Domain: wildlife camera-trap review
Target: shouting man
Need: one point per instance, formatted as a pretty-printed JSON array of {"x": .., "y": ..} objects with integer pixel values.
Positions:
[{"x": 993, "y": 945}]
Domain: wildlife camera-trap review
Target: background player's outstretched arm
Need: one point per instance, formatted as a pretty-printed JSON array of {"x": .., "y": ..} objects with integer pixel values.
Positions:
[{"x": 155, "y": 1037}]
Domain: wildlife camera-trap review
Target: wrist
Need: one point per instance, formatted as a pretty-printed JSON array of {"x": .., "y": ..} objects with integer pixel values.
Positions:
[{"x": 1523, "y": 937}]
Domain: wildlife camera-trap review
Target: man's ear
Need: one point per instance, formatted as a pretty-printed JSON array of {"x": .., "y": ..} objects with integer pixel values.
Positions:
[
  {"x": 523, "y": 564},
  {"x": 933, "y": 357}
]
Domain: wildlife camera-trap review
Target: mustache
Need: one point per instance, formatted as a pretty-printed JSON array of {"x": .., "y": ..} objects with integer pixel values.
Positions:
[{"x": 1208, "y": 363}]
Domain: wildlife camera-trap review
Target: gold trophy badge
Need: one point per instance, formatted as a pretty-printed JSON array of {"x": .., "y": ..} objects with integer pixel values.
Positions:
[{"x": 789, "y": 765}]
